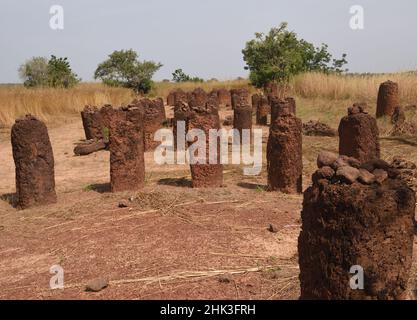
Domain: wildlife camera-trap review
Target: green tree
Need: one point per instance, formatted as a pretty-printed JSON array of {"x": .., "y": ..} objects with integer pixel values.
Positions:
[
  {"x": 123, "y": 69},
  {"x": 41, "y": 72},
  {"x": 60, "y": 74},
  {"x": 279, "y": 55},
  {"x": 180, "y": 76}
]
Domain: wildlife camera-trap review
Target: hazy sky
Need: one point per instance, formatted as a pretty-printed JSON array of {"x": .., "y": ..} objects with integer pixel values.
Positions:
[{"x": 204, "y": 38}]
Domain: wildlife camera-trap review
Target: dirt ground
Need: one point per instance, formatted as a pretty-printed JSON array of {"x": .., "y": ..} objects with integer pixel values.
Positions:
[{"x": 171, "y": 242}]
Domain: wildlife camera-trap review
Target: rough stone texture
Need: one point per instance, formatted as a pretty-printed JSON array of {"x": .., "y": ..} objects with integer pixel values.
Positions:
[
  {"x": 242, "y": 118},
  {"x": 205, "y": 118},
  {"x": 271, "y": 89},
  {"x": 127, "y": 162},
  {"x": 34, "y": 161},
  {"x": 407, "y": 171},
  {"x": 398, "y": 117},
  {"x": 228, "y": 121},
  {"x": 176, "y": 96},
  {"x": 316, "y": 128},
  {"x": 256, "y": 98},
  {"x": 224, "y": 97},
  {"x": 345, "y": 225},
  {"x": 97, "y": 285},
  {"x": 262, "y": 111},
  {"x": 280, "y": 107},
  {"x": 89, "y": 147},
  {"x": 198, "y": 97},
  {"x": 284, "y": 155},
  {"x": 347, "y": 174},
  {"x": 96, "y": 122},
  {"x": 181, "y": 113},
  {"x": 326, "y": 159},
  {"x": 343, "y": 161},
  {"x": 388, "y": 99},
  {"x": 359, "y": 137},
  {"x": 154, "y": 117},
  {"x": 240, "y": 97}
]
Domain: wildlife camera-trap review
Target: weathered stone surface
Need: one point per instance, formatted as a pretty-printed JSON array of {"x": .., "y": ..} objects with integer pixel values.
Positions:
[
  {"x": 240, "y": 97},
  {"x": 359, "y": 137},
  {"x": 206, "y": 175},
  {"x": 89, "y": 147},
  {"x": 380, "y": 175},
  {"x": 284, "y": 155},
  {"x": 154, "y": 117},
  {"x": 343, "y": 161},
  {"x": 398, "y": 117},
  {"x": 225, "y": 99},
  {"x": 242, "y": 119},
  {"x": 97, "y": 285},
  {"x": 262, "y": 111},
  {"x": 96, "y": 122},
  {"x": 407, "y": 171},
  {"x": 324, "y": 173},
  {"x": 366, "y": 177},
  {"x": 319, "y": 129},
  {"x": 388, "y": 99},
  {"x": 281, "y": 107},
  {"x": 34, "y": 161},
  {"x": 347, "y": 174},
  {"x": 127, "y": 162},
  {"x": 345, "y": 225},
  {"x": 198, "y": 97},
  {"x": 326, "y": 158}
]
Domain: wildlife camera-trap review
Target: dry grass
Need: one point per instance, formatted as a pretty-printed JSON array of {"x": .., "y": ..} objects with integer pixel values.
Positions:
[
  {"x": 324, "y": 97},
  {"x": 54, "y": 105}
]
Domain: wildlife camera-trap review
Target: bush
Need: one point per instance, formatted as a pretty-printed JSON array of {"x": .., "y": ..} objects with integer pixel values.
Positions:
[
  {"x": 180, "y": 76},
  {"x": 41, "y": 72},
  {"x": 279, "y": 55},
  {"x": 123, "y": 69}
]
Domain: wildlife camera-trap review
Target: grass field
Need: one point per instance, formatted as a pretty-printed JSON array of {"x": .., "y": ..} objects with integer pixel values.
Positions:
[{"x": 319, "y": 96}]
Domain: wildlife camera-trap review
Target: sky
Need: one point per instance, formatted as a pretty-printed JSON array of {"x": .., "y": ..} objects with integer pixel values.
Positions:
[{"x": 204, "y": 38}]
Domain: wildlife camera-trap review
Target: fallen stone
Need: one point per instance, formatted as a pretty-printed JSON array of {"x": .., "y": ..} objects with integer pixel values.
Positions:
[
  {"x": 97, "y": 285},
  {"x": 347, "y": 174},
  {"x": 272, "y": 229},
  {"x": 123, "y": 204},
  {"x": 344, "y": 161},
  {"x": 366, "y": 177},
  {"x": 326, "y": 159},
  {"x": 380, "y": 175},
  {"x": 89, "y": 147},
  {"x": 318, "y": 129}
]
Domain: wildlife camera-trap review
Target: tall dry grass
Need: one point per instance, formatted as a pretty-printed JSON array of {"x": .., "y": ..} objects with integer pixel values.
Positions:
[
  {"x": 352, "y": 87},
  {"x": 55, "y": 105},
  {"x": 319, "y": 96}
]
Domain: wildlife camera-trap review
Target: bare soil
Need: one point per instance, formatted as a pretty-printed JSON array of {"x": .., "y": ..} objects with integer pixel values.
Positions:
[{"x": 170, "y": 242}]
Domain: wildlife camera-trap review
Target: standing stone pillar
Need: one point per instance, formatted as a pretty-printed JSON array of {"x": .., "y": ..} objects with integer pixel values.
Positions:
[
  {"x": 224, "y": 96},
  {"x": 127, "y": 161},
  {"x": 154, "y": 117},
  {"x": 388, "y": 99},
  {"x": 96, "y": 122},
  {"x": 206, "y": 175},
  {"x": 240, "y": 96},
  {"x": 242, "y": 118},
  {"x": 356, "y": 227},
  {"x": 284, "y": 154},
  {"x": 359, "y": 135},
  {"x": 262, "y": 112},
  {"x": 281, "y": 106},
  {"x": 34, "y": 161}
]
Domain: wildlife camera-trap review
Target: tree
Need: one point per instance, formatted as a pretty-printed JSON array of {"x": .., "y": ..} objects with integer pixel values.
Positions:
[
  {"x": 60, "y": 73},
  {"x": 34, "y": 72},
  {"x": 123, "y": 69},
  {"x": 180, "y": 76},
  {"x": 279, "y": 55},
  {"x": 41, "y": 72}
]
